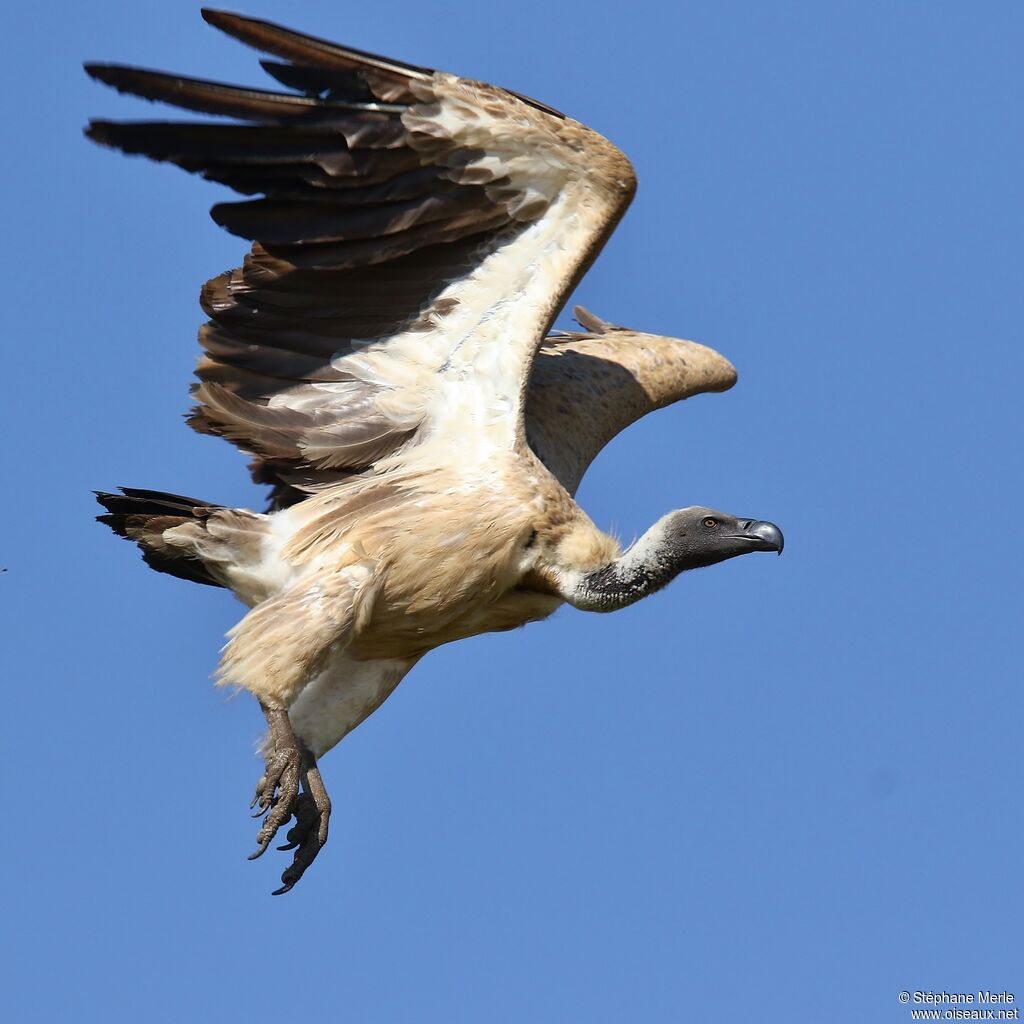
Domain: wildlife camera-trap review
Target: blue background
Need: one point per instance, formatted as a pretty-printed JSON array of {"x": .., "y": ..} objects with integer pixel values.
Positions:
[{"x": 782, "y": 790}]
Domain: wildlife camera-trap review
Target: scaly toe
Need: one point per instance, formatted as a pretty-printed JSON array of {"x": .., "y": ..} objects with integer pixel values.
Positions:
[{"x": 282, "y": 776}]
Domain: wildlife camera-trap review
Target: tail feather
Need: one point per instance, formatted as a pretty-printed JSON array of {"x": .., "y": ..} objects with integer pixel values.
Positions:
[{"x": 142, "y": 516}]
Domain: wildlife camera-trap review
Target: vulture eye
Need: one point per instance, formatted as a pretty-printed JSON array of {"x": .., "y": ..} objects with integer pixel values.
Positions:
[{"x": 709, "y": 522}]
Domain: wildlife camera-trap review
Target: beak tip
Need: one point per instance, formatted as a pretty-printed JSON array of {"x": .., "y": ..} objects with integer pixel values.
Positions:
[{"x": 769, "y": 535}]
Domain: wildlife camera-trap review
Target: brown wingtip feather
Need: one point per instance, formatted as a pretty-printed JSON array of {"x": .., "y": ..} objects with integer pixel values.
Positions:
[
  {"x": 97, "y": 70},
  {"x": 306, "y": 49},
  {"x": 225, "y": 21},
  {"x": 211, "y": 15},
  {"x": 100, "y": 132}
]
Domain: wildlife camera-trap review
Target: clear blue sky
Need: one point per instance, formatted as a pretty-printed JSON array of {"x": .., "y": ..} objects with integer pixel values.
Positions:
[{"x": 782, "y": 790}]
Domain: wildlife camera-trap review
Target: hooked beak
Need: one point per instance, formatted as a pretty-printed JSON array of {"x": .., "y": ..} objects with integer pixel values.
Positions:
[{"x": 763, "y": 536}]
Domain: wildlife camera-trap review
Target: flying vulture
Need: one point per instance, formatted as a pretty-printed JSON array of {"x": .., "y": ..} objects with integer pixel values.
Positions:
[{"x": 385, "y": 355}]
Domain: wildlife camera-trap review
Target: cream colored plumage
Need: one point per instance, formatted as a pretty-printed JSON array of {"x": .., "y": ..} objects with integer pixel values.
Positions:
[{"x": 385, "y": 355}]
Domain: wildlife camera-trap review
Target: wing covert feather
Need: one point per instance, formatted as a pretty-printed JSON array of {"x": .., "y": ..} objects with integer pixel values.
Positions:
[{"x": 587, "y": 387}]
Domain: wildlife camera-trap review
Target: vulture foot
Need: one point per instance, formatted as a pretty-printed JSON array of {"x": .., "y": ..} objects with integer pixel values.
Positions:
[
  {"x": 308, "y": 835},
  {"x": 289, "y": 765}
]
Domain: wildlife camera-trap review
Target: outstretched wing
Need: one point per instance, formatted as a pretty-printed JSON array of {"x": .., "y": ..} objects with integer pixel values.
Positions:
[
  {"x": 588, "y": 386},
  {"x": 414, "y": 236}
]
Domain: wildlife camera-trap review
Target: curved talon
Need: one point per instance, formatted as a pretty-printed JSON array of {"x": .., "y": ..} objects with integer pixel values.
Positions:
[
  {"x": 262, "y": 809},
  {"x": 270, "y": 828},
  {"x": 296, "y": 835},
  {"x": 260, "y": 786},
  {"x": 265, "y": 805}
]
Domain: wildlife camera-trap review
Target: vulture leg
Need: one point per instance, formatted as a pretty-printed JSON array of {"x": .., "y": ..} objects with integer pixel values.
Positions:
[{"x": 289, "y": 765}]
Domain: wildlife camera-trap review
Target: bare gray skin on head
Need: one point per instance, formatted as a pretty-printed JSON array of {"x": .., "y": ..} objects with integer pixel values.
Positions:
[{"x": 689, "y": 538}]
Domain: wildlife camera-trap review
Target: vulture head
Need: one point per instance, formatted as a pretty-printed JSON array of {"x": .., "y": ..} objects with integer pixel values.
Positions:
[
  {"x": 695, "y": 537},
  {"x": 688, "y": 538}
]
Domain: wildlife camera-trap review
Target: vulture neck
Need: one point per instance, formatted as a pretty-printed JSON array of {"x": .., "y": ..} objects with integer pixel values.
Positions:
[{"x": 651, "y": 563}]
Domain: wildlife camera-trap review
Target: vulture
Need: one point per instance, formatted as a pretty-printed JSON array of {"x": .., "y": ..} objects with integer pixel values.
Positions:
[{"x": 385, "y": 355}]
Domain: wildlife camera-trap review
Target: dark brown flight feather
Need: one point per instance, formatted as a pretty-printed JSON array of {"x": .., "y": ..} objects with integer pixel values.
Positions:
[
  {"x": 367, "y": 215},
  {"x": 359, "y": 224}
]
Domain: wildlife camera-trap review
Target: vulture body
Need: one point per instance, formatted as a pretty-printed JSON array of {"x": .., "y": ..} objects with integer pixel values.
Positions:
[{"x": 384, "y": 353}]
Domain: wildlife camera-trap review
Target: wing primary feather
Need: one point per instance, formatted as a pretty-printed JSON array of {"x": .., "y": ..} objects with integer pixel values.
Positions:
[
  {"x": 275, "y": 222},
  {"x": 334, "y": 83},
  {"x": 299, "y": 182},
  {"x": 284, "y": 42},
  {"x": 207, "y": 97},
  {"x": 192, "y": 146}
]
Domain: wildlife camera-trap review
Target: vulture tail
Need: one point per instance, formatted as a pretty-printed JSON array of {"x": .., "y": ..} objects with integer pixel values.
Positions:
[{"x": 184, "y": 537}]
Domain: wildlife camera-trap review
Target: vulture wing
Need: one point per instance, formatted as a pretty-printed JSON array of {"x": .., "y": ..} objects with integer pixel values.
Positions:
[
  {"x": 414, "y": 235},
  {"x": 588, "y": 386}
]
